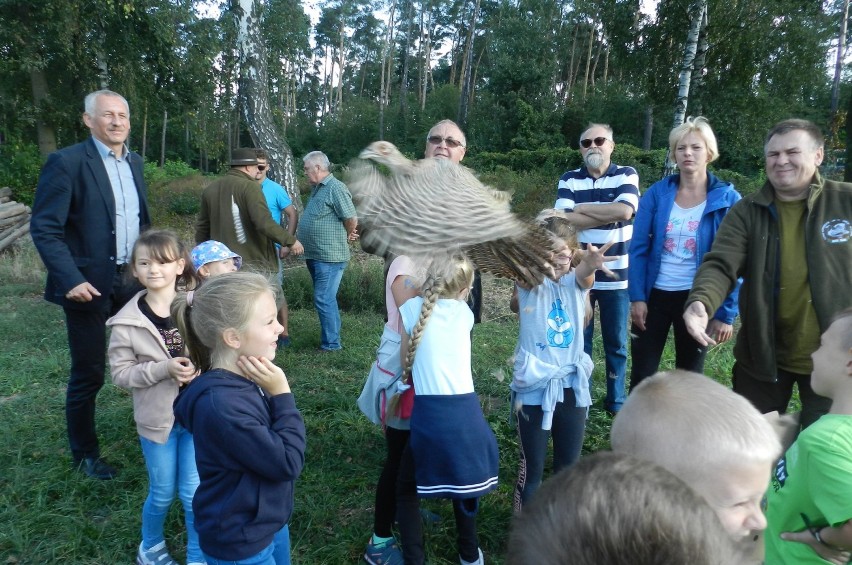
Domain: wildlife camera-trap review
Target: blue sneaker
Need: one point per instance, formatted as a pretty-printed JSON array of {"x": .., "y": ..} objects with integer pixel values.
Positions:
[{"x": 385, "y": 554}]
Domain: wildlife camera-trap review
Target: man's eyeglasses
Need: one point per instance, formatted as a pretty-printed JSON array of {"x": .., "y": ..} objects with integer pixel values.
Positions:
[
  {"x": 598, "y": 141},
  {"x": 451, "y": 143},
  {"x": 262, "y": 167}
]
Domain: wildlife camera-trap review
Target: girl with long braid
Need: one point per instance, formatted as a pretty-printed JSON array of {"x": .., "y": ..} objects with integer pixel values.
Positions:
[{"x": 452, "y": 452}]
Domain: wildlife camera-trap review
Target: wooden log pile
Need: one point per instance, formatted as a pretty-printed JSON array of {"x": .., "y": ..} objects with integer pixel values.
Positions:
[{"x": 14, "y": 219}]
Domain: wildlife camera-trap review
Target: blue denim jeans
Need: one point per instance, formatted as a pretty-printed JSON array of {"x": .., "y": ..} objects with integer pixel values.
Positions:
[
  {"x": 614, "y": 306},
  {"x": 171, "y": 469},
  {"x": 277, "y": 553},
  {"x": 326, "y": 278}
]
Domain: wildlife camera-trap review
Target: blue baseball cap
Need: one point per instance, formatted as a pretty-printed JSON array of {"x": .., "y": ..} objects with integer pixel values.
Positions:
[{"x": 210, "y": 251}]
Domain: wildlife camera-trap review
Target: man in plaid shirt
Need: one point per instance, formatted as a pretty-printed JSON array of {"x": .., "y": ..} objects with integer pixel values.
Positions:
[{"x": 327, "y": 226}]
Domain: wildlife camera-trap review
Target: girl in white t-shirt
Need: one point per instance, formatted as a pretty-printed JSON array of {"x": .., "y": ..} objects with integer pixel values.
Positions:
[
  {"x": 452, "y": 452},
  {"x": 550, "y": 388}
]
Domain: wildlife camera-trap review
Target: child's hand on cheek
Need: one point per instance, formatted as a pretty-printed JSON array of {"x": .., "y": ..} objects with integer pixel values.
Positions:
[{"x": 265, "y": 374}]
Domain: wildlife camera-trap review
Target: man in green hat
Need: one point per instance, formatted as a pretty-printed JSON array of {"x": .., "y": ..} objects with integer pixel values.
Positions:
[{"x": 234, "y": 212}]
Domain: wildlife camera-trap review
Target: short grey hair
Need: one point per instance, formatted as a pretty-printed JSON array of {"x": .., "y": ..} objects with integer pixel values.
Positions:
[
  {"x": 91, "y": 100},
  {"x": 607, "y": 127},
  {"x": 317, "y": 158}
]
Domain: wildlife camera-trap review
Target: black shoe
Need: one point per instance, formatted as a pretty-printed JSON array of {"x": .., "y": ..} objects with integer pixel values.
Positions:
[{"x": 95, "y": 468}]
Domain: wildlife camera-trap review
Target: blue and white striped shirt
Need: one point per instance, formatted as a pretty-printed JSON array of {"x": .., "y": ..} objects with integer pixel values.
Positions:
[{"x": 618, "y": 184}]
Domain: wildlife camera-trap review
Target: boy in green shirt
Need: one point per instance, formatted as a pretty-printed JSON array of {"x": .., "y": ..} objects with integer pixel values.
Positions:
[{"x": 809, "y": 503}]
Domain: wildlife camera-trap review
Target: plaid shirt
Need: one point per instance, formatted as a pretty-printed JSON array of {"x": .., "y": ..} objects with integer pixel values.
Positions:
[{"x": 321, "y": 228}]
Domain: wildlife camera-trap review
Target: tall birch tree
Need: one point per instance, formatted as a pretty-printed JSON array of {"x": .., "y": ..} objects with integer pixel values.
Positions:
[{"x": 254, "y": 95}]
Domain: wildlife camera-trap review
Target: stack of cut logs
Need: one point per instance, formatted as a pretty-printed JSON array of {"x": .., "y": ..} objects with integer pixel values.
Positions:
[{"x": 14, "y": 219}]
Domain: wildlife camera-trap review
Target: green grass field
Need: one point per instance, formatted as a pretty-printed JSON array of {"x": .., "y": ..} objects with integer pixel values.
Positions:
[{"x": 49, "y": 514}]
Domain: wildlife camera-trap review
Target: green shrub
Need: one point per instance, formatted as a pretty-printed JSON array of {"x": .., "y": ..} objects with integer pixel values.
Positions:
[
  {"x": 20, "y": 165},
  {"x": 171, "y": 170},
  {"x": 362, "y": 288},
  {"x": 552, "y": 163},
  {"x": 184, "y": 203},
  {"x": 743, "y": 184},
  {"x": 174, "y": 203}
]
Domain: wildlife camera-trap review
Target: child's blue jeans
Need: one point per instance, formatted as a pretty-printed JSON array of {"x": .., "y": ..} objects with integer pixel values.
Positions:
[
  {"x": 171, "y": 469},
  {"x": 277, "y": 553}
]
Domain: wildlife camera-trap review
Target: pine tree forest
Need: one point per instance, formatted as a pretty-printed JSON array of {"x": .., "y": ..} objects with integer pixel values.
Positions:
[{"x": 204, "y": 77}]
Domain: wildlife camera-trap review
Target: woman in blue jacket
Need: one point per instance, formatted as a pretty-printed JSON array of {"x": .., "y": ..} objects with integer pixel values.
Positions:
[{"x": 675, "y": 226}]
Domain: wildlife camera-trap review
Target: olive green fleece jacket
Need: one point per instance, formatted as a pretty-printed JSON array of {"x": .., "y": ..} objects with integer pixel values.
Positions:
[
  {"x": 216, "y": 220},
  {"x": 747, "y": 245}
]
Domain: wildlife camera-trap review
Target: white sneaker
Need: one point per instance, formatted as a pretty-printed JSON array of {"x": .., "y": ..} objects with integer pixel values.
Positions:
[
  {"x": 157, "y": 555},
  {"x": 480, "y": 561}
]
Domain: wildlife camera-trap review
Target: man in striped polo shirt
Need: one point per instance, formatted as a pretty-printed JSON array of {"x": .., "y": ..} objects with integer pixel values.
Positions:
[{"x": 600, "y": 199}]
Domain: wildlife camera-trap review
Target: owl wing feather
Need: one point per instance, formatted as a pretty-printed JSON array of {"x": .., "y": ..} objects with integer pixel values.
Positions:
[{"x": 433, "y": 206}]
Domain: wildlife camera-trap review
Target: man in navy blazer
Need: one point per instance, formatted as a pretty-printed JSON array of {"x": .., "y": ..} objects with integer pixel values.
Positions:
[{"x": 90, "y": 206}]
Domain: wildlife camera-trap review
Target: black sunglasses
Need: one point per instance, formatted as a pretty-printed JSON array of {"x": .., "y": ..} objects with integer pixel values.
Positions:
[
  {"x": 261, "y": 167},
  {"x": 586, "y": 143},
  {"x": 451, "y": 143}
]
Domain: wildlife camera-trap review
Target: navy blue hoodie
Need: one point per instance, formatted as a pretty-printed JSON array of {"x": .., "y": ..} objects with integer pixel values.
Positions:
[{"x": 250, "y": 448}]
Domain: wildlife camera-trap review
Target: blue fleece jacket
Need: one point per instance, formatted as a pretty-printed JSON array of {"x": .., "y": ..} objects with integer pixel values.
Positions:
[
  {"x": 250, "y": 448},
  {"x": 649, "y": 227}
]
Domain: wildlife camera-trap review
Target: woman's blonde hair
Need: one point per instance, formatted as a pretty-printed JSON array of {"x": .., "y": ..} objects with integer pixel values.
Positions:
[
  {"x": 221, "y": 303},
  {"x": 446, "y": 277},
  {"x": 700, "y": 126}
]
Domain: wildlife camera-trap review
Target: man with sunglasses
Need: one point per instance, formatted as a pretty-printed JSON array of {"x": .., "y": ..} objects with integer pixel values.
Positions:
[
  {"x": 233, "y": 211},
  {"x": 447, "y": 141},
  {"x": 600, "y": 198}
]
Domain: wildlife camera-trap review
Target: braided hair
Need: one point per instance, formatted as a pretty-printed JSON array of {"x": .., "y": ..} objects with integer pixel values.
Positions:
[{"x": 446, "y": 277}]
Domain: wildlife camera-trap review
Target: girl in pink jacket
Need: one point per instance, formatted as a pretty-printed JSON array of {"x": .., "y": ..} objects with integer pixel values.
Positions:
[{"x": 146, "y": 356}]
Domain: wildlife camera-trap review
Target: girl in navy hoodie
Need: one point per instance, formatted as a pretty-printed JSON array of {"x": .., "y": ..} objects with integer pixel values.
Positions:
[{"x": 249, "y": 436}]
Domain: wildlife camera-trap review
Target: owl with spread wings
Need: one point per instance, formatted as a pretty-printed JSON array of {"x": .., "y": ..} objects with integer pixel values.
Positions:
[{"x": 432, "y": 206}]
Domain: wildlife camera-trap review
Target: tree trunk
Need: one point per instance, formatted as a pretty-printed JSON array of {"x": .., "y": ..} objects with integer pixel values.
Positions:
[
  {"x": 838, "y": 65},
  {"x": 697, "y": 10},
  {"x": 385, "y": 78},
  {"x": 697, "y": 80},
  {"x": 595, "y": 64},
  {"x": 847, "y": 172},
  {"x": 186, "y": 156},
  {"x": 163, "y": 138},
  {"x": 569, "y": 83},
  {"x": 46, "y": 133},
  {"x": 464, "y": 103},
  {"x": 649, "y": 128},
  {"x": 145, "y": 131},
  {"x": 403, "y": 86},
  {"x": 254, "y": 97},
  {"x": 588, "y": 61},
  {"x": 341, "y": 59}
]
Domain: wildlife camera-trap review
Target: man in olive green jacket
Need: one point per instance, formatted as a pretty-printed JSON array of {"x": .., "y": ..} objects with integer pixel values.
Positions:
[
  {"x": 792, "y": 243},
  {"x": 234, "y": 211}
]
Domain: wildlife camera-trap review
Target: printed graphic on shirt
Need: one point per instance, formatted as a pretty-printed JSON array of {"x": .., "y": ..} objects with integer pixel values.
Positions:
[
  {"x": 837, "y": 231},
  {"x": 173, "y": 341},
  {"x": 560, "y": 332},
  {"x": 680, "y": 239},
  {"x": 779, "y": 477}
]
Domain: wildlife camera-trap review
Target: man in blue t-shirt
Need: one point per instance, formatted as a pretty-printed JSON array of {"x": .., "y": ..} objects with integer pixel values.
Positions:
[{"x": 280, "y": 206}]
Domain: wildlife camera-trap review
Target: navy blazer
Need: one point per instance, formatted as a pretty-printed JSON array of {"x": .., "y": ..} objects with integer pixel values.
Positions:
[{"x": 73, "y": 222}]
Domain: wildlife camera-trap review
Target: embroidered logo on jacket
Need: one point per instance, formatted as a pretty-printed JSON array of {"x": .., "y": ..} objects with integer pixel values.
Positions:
[{"x": 837, "y": 231}]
